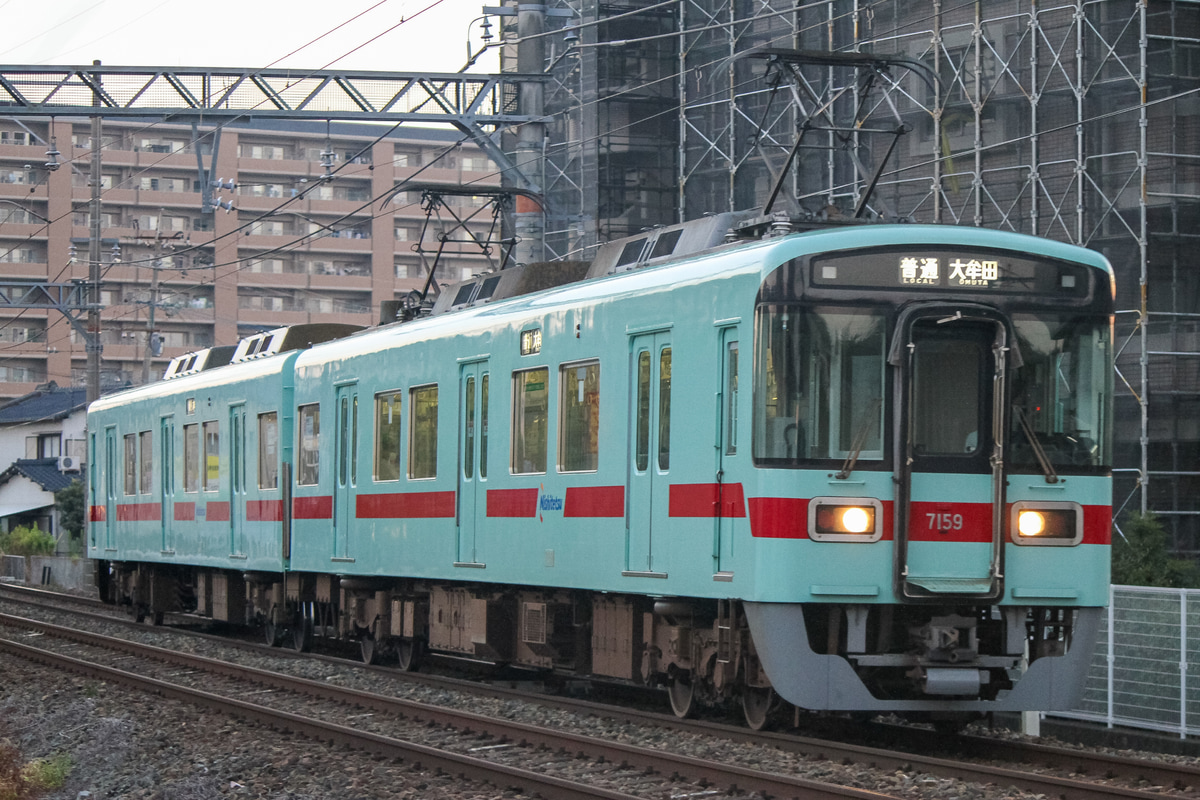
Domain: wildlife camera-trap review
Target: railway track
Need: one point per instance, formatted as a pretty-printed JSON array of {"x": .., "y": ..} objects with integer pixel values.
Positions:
[
  {"x": 612, "y": 770},
  {"x": 1051, "y": 771}
]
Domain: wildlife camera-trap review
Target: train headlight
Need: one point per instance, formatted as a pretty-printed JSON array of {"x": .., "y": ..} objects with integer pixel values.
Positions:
[
  {"x": 1047, "y": 523},
  {"x": 845, "y": 519},
  {"x": 1031, "y": 523}
]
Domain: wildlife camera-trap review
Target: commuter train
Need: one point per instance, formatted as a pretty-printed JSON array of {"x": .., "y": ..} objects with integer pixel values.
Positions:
[{"x": 855, "y": 467}]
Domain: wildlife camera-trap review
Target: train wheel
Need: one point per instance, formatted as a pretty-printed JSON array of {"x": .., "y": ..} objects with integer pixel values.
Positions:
[
  {"x": 302, "y": 633},
  {"x": 271, "y": 632},
  {"x": 756, "y": 706},
  {"x": 366, "y": 644},
  {"x": 682, "y": 692},
  {"x": 409, "y": 651}
]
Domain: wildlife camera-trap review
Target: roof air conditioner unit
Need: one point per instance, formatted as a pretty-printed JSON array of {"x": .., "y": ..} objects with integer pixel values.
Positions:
[{"x": 68, "y": 464}]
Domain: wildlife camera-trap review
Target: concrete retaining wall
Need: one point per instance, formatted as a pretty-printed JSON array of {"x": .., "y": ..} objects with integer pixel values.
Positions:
[{"x": 58, "y": 572}]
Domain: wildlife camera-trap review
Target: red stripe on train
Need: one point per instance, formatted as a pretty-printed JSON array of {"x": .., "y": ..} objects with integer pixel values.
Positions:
[
  {"x": 512, "y": 502},
  {"x": 217, "y": 511},
  {"x": 950, "y": 522},
  {"x": 185, "y": 512},
  {"x": 410, "y": 505},
  {"x": 787, "y": 518},
  {"x": 706, "y": 500},
  {"x": 97, "y": 514},
  {"x": 264, "y": 511},
  {"x": 139, "y": 512},
  {"x": 594, "y": 501},
  {"x": 312, "y": 507}
]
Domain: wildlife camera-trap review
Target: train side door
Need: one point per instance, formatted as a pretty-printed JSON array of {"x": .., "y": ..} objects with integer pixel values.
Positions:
[
  {"x": 727, "y": 447},
  {"x": 950, "y": 508},
  {"x": 649, "y": 454},
  {"x": 346, "y": 469},
  {"x": 472, "y": 458},
  {"x": 237, "y": 480},
  {"x": 112, "y": 457},
  {"x": 166, "y": 479}
]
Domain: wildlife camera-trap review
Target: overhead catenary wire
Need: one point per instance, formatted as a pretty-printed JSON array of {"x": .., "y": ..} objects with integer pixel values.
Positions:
[{"x": 727, "y": 24}]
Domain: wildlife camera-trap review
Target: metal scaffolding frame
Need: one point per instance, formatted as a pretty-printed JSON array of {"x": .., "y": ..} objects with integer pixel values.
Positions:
[{"x": 1077, "y": 120}]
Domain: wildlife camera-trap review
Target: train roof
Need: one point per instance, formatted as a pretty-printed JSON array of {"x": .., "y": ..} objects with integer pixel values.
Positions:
[{"x": 658, "y": 260}]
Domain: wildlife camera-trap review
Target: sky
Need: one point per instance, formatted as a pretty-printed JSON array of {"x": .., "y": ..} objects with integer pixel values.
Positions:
[{"x": 245, "y": 33}]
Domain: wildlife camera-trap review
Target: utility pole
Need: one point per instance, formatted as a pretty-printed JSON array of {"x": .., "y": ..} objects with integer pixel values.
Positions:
[
  {"x": 155, "y": 268},
  {"x": 93, "y": 344},
  {"x": 531, "y": 60}
]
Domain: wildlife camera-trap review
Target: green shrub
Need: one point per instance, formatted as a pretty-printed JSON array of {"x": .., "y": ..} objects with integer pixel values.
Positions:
[
  {"x": 24, "y": 541},
  {"x": 1141, "y": 557},
  {"x": 19, "y": 781}
]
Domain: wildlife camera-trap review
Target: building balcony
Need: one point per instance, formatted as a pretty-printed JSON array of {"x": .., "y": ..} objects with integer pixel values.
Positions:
[{"x": 34, "y": 271}]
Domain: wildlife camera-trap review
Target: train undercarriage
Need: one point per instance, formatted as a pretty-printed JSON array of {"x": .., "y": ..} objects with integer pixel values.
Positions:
[{"x": 701, "y": 651}]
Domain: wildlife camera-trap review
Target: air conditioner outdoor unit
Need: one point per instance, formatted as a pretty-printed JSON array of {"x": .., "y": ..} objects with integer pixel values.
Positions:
[{"x": 68, "y": 464}]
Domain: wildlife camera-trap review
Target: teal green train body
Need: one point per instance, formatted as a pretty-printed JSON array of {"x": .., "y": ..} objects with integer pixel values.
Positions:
[{"x": 863, "y": 468}]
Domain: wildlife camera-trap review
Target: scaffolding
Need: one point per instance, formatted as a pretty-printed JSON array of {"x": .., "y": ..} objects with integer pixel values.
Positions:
[{"x": 1077, "y": 120}]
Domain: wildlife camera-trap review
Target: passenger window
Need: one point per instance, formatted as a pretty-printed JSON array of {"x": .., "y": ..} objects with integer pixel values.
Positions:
[
  {"x": 309, "y": 472},
  {"x": 423, "y": 433},
  {"x": 731, "y": 398},
  {"x": 387, "y": 436},
  {"x": 483, "y": 424},
  {"x": 268, "y": 450},
  {"x": 131, "y": 463},
  {"x": 529, "y": 421},
  {"x": 579, "y": 417},
  {"x": 664, "y": 409},
  {"x": 146, "y": 445},
  {"x": 642, "y": 442},
  {"x": 468, "y": 459},
  {"x": 191, "y": 458},
  {"x": 212, "y": 456}
]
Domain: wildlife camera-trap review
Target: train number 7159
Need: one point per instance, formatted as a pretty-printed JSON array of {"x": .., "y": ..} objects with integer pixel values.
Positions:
[{"x": 944, "y": 521}]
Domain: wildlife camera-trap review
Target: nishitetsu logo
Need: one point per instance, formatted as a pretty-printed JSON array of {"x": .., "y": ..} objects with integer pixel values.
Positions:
[{"x": 547, "y": 502}]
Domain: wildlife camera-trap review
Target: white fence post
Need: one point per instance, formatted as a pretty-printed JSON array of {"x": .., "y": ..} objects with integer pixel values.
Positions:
[
  {"x": 1183, "y": 665},
  {"x": 1112, "y": 613}
]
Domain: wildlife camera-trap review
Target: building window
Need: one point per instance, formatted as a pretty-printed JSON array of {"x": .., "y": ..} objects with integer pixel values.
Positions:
[
  {"x": 423, "y": 433},
  {"x": 268, "y": 450},
  {"x": 310, "y": 445},
  {"x": 44, "y": 445},
  {"x": 387, "y": 436},
  {"x": 579, "y": 417},
  {"x": 529, "y": 421}
]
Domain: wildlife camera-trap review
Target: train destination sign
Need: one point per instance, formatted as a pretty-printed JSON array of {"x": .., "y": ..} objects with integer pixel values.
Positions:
[{"x": 949, "y": 269}]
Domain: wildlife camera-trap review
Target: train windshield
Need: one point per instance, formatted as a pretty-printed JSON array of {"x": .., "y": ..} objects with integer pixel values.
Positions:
[
  {"x": 818, "y": 383},
  {"x": 1059, "y": 393}
]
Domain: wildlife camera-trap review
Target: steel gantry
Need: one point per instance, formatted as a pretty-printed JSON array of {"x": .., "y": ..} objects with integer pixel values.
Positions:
[{"x": 477, "y": 105}]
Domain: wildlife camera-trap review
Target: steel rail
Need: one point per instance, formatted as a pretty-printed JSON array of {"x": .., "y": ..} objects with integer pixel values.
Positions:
[
  {"x": 420, "y": 755},
  {"x": 693, "y": 769},
  {"x": 1078, "y": 761}
]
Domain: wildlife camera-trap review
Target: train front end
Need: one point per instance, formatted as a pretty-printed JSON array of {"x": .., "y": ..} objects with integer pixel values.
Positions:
[{"x": 932, "y": 444}]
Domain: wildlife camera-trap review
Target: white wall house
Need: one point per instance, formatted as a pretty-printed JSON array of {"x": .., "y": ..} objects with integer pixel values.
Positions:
[{"x": 42, "y": 449}]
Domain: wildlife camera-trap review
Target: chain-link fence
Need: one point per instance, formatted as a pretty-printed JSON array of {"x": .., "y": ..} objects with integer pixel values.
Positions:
[{"x": 1139, "y": 674}]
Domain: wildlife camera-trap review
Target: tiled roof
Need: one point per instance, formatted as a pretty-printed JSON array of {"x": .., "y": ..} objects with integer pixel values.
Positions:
[
  {"x": 51, "y": 403},
  {"x": 42, "y": 471}
]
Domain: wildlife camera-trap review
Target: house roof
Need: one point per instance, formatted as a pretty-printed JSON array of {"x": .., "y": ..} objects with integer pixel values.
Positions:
[
  {"x": 46, "y": 403},
  {"x": 42, "y": 471}
]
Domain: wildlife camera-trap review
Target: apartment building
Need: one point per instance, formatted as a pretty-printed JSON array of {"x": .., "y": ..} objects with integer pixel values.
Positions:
[{"x": 315, "y": 224}]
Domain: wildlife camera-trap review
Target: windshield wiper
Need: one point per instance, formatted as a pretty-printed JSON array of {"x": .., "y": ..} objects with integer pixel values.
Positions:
[
  {"x": 1038, "y": 451},
  {"x": 860, "y": 440}
]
